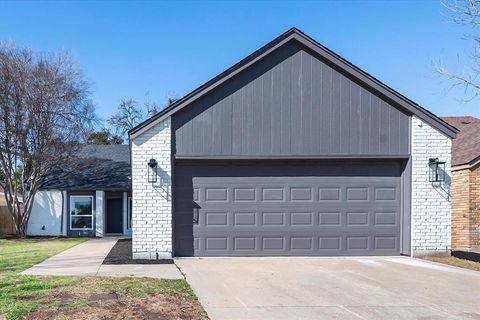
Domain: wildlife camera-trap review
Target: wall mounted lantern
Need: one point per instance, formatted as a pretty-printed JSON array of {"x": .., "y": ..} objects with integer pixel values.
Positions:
[
  {"x": 152, "y": 170},
  {"x": 437, "y": 170}
]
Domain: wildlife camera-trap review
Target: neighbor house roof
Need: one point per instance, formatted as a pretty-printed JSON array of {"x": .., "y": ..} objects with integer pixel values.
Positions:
[
  {"x": 344, "y": 66},
  {"x": 95, "y": 167},
  {"x": 466, "y": 147}
]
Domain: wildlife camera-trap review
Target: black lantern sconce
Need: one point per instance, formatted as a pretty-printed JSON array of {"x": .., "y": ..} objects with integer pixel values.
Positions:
[
  {"x": 437, "y": 170},
  {"x": 152, "y": 170}
]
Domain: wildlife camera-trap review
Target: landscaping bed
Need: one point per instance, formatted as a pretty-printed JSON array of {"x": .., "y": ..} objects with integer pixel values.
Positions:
[
  {"x": 121, "y": 253},
  {"x": 42, "y": 297}
]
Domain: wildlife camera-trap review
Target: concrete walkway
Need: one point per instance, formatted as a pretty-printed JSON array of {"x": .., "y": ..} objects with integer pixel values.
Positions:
[
  {"x": 86, "y": 260},
  {"x": 332, "y": 288}
]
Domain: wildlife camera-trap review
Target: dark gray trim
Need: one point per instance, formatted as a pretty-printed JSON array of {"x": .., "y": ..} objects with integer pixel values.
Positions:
[
  {"x": 405, "y": 226},
  {"x": 334, "y": 59},
  {"x": 81, "y": 233},
  {"x": 402, "y": 156},
  {"x": 173, "y": 149}
]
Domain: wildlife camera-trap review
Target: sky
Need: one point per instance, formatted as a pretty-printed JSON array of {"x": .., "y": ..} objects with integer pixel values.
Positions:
[{"x": 151, "y": 50}]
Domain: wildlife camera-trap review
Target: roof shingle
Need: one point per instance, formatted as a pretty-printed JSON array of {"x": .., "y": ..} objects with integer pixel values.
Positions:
[
  {"x": 466, "y": 147},
  {"x": 97, "y": 167}
]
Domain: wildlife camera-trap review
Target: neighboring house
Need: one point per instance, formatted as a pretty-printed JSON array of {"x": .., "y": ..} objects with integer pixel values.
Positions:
[
  {"x": 292, "y": 151},
  {"x": 90, "y": 196},
  {"x": 466, "y": 183}
]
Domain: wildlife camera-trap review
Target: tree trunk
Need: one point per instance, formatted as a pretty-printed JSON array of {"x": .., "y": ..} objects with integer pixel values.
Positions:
[{"x": 22, "y": 231}]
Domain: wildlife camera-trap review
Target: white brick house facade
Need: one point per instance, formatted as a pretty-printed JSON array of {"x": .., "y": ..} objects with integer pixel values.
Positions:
[
  {"x": 152, "y": 202},
  {"x": 431, "y": 207}
]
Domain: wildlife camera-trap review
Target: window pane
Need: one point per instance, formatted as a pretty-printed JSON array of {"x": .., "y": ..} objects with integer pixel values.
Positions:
[
  {"x": 81, "y": 222},
  {"x": 81, "y": 206}
]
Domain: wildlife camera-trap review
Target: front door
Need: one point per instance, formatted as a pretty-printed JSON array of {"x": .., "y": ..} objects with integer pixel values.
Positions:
[{"x": 114, "y": 215}]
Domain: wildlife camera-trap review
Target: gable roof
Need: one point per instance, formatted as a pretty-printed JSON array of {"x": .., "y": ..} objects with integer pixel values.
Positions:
[
  {"x": 340, "y": 63},
  {"x": 97, "y": 167},
  {"x": 466, "y": 147}
]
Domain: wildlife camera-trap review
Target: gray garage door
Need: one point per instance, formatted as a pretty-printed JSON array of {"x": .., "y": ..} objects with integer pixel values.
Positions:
[{"x": 257, "y": 210}]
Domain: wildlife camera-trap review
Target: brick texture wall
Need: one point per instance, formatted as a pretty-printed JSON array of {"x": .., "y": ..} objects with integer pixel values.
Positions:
[
  {"x": 431, "y": 206},
  {"x": 152, "y": 202},
  {"x": 466, "y": 208}
]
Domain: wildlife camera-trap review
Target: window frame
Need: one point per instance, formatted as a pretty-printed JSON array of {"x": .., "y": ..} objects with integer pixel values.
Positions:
[
  {"x": 129, "y": 213},
  {"x": 81, "y": 215}
]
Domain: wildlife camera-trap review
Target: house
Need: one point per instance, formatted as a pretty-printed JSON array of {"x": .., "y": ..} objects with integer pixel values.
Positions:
[
  {"x": 91, "y": 196},
  {"x": 466, "y": 183},
  {"x": 293, "y": 151}
]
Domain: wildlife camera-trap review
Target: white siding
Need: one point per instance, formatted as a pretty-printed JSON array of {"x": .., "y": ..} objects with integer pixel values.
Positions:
[
  {"x": 152, "y": 203},
  {"x": 99, "y": 213},
  {"x": 431, "y": 207},
  {"x": 46, "y": 212}
]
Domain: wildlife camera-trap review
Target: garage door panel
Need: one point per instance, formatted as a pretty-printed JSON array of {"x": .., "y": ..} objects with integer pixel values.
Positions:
[
  {"x": 294, "y": 215},
  {"x": 279, "y": 245},
  {"x": 265, "y": 220}
]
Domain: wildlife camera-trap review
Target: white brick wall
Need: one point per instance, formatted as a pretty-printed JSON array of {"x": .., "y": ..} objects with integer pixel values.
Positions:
[
  {"x": 152, "y": 204},
  {"x": 431, "y": 209}
]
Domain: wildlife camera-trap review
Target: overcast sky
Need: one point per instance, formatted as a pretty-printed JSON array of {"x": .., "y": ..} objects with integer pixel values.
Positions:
[{"x": 151, "y": 50}]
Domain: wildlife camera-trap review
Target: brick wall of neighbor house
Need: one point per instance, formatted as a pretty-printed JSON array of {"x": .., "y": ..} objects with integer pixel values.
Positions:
[
  {"x": 152, "y": 204},
  {"x": 431, "y": 206},
  {"x": 475, "y": 207},
  {"x": 466, "y": 208}
]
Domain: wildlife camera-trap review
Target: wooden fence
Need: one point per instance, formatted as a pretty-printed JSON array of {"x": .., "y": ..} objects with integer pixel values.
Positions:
[{"x": 7, "y": 227}]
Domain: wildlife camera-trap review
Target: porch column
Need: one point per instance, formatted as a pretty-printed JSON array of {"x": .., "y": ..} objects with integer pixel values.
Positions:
[
  {"x": 99, "y": 212},
  {"x": 125, "y": 214},
  {"x": 66, "y": 212}
]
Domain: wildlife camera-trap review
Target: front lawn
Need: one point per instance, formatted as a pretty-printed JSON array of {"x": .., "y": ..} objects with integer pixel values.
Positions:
[{"x": 42, "y": 297}]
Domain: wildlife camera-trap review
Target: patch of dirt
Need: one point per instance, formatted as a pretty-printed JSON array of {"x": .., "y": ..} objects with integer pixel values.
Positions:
[
  {"x": 28, "y": 298},
  {"x": 144, "y": 308},
  {"x": 65, "y": 297},
  {"x": 103, "y": 296}
]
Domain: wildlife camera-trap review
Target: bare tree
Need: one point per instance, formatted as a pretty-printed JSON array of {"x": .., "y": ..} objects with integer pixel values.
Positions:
[
  {"x": 153, "y": 108},
  {"x": 128, "y": 115},
  {"x": 465, "y": 12},
  {"x": 44, "y": 113}
]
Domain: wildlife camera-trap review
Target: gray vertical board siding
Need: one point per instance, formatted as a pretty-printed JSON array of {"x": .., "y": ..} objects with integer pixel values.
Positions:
[{"x": 290, "y": 104}]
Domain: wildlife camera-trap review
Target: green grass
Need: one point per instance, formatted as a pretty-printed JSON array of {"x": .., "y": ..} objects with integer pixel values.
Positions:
[
  {"x": 20, "y": 294},
  {"x": 18, "y": 255}
]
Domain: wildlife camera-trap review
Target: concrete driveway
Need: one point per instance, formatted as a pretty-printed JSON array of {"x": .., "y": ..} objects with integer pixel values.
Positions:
[{"x": 332, "y": 288}]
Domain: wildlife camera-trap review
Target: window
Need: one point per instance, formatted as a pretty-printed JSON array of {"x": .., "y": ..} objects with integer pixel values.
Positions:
[
  {"x": 81, "y": 213},
  {"x": 129, "y": 213}
]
